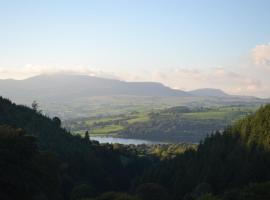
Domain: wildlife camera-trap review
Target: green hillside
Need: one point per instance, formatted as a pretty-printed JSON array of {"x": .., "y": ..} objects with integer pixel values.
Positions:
[
  {"x": 176, "y": 124},
  {"x": 40, "y": 160}
]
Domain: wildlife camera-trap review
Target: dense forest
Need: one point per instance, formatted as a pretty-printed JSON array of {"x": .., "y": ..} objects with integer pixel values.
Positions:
[
  {"x": 40, "y": 160},
  {"x": 77, "y": 161}
]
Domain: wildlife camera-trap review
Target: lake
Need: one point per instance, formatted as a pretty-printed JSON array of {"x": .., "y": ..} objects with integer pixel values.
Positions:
[{"x": 111, "y": 140}]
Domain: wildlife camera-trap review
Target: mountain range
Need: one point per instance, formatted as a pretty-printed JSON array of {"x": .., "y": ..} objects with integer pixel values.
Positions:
[
  {"x": 80, "y": 92},
  {"x": 62, "y": 85},
  {"x": 59, "y": 86},
  {"x": 41, "y": 160}
]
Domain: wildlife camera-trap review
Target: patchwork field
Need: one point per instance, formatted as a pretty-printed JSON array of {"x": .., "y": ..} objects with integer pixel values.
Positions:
[{"x": 172, "y": 124}]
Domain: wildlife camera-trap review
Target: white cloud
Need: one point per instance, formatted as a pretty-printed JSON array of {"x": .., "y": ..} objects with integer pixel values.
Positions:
[
  {"x": 217, "y": 77},
  {"x": 261, "y": 54},
  {"x": 248, "y": 80},
  {"x": 30, "y": 70},
  {"x": 178, "y": 78}
]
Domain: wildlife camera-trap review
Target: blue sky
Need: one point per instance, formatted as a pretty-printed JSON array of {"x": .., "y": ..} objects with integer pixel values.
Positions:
[{"x": 137, "y": 39}]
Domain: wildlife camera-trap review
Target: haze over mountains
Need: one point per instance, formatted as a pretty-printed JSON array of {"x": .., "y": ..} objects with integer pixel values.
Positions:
[
  {"x": 73, "y": 86},
  {"x": 79, "y": 92},
  {"x": 209, "y": 92},
  {"x": 62, "y": 85}
]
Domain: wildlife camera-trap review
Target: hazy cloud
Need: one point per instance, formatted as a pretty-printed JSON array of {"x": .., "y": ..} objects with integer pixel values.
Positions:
[
  {"x": 31, "y": 70},
  {"x": 245, "y": 80},
  {"x": 217, "y": 77},
  {"x": 261, "y": 54},
  {"x": 178, "y": 78}
]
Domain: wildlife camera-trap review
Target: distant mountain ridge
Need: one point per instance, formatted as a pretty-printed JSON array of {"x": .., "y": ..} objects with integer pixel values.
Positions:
[
  {"x": 72, "y": 96},
  {"x": 66, "y": 84},
  {"x": 59, "y": 86},
  {"x": 210, "y": 92}
]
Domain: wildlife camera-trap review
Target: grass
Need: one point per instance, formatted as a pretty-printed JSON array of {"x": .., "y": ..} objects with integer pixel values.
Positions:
[
  {"x": 220, "y": 113},
  {"x": 112, "y": 125},
  {"x": 91, "y": 122},
  {"x": 208, "y": 115},
  {"x": 135, "y": 119},
  {"x": 106, "y": 130},
  {"x": 139, "y": 119}
]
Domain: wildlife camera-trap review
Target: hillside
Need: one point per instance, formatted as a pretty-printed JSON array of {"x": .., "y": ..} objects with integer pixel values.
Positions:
[
  {"x": 225, "y": 164},
  {"x": 175, "y": 124},
  {"x": 40, "y": 160},
  {"x": 76, "y": 96},
  {"x": 209, "y": 92},
  {"x": 182, "y": 124},
  {"x": 76, "y": 160},
  {"x": 60, "y": 86}
]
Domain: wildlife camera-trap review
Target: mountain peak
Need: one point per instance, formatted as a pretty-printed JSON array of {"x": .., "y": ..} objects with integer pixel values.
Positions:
[
  {"x": 208, "y": 92},
  {"x": 77, "y": 86}
]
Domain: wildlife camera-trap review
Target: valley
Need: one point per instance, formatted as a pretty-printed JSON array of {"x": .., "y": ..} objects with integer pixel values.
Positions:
[
  {"x": 70, "y": 96},
  {"x": 175, "y": 124},
  {"x": 135, "y": 100},
  {"x": 62, "y": 165}
]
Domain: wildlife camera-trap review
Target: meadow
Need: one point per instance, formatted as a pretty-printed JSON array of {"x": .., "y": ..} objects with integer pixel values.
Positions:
[{"x": 171, "y": 124}]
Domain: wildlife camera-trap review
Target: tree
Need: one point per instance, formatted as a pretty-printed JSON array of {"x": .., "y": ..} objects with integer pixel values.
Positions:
[
  {"x": 116, "y": 196},
  {"x": 82, "y": 191},
  {"x": 86, "y": 136},
  {"x": 201, "y": 190},
  {"x": 25, "y": 172},
  {"x": 208, "y": 196},
  {"x": 57, "y": 121},
  {"x": 152, "y": 191},
  {"x": 35, "y": 105}
]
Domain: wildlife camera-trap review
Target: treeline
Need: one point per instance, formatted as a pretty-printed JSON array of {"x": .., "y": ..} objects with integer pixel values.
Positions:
[
  {"x": 222, "y": 164},
  {"x": 25, "y": 172},
  {"x": 154, "y": 151},
  {"x": 40, "y": 160},
  {"x": 78, "y": 161}
]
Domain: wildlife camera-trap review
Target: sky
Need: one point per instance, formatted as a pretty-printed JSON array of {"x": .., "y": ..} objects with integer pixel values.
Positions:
[{"x": 185, "y": 44}]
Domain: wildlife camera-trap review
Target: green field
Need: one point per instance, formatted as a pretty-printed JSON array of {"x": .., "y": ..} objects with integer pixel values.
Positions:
[
  {"x": 106, "y": 125},
  {"x": 139, "y": 119},
  {"x": 107, "y": 130},
  {"x": 211, "y": 115},
  {"x": 162, "y": 124},
  {"x": 226, "y": 113},
  {"x": 93, "y": 121}
]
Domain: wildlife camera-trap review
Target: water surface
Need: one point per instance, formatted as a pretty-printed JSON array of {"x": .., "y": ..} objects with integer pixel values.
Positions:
[{"x": 112, "y": 140}]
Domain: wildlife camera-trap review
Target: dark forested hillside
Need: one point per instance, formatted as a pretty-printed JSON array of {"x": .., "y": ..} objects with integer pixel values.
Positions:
[
  {"x": 79, "y": 160},
  {"x": 25, "y": 173},
  {"x": 240, "y": 156},
  {"x": 40, "y": 160}
]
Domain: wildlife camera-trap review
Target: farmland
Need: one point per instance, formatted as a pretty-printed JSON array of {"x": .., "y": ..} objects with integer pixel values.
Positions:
[{"x": 173, "y": 124}]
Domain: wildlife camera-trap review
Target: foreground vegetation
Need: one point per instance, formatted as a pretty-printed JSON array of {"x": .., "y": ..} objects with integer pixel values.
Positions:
[{"x": 40, "y": 160}]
